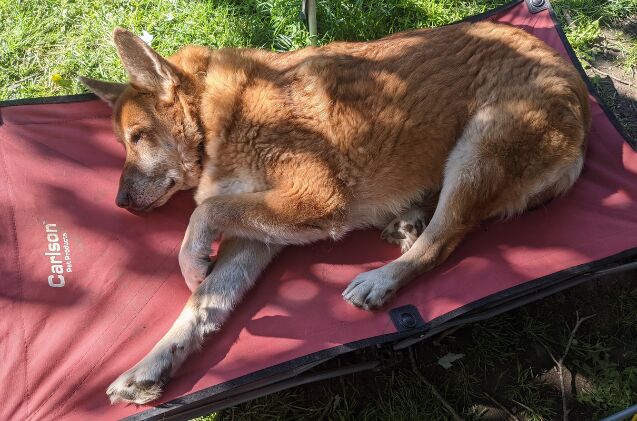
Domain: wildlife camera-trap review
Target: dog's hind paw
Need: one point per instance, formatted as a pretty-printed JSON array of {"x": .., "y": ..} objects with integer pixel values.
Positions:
[
  {"x": 405, "y": 229},
  {"x": 141, "y": 384}
]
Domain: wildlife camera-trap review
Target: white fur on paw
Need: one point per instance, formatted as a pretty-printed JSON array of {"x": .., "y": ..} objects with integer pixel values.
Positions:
[
  {"x": 370, "y": 290},
  {"x": 405, "y": 229},
  {"x": 141, "y": 384}
]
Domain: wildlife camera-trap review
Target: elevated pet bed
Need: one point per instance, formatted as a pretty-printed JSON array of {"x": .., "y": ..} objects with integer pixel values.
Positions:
[{"x": 63, "y": 340}]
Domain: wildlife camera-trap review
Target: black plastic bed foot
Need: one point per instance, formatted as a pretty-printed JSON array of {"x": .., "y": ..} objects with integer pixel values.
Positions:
[{"x": 406, "y": 318}]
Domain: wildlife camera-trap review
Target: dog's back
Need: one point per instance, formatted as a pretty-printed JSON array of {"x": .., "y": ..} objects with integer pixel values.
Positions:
[{"x": 383, "y": 116}]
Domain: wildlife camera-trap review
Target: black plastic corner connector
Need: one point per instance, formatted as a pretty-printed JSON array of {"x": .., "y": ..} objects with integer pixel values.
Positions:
[
  {"x": 536, "y": 6},
  {"x": 406, "y": 318}
]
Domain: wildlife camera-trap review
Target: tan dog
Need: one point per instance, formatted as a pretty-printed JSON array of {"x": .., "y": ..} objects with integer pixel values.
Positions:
[{"x": 473, "y": 121}]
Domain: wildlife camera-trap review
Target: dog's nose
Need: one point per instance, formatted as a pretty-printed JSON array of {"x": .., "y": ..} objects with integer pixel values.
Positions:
[{"x": 123, "y": 199}]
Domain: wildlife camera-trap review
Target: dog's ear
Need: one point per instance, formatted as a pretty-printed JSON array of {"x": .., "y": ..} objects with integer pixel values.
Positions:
[
  {"x": 147, "y": 70},
  {"x": 107, "y": 91}
]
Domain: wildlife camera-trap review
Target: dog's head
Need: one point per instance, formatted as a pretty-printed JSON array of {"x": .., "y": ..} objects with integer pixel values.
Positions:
[{"x": 155, "y": 118}]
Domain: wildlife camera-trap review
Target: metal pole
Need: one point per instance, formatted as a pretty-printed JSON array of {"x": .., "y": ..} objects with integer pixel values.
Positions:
[{"x": 311, "y": 21}]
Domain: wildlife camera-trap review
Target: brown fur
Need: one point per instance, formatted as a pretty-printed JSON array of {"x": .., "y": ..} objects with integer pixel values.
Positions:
[{"x": 313, "y": 143}]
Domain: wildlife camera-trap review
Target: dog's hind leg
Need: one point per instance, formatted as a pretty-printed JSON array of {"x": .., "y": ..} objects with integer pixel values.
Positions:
[
  {"x": 487, "y": 175},
  {"x": 239, "y": 263},
  {"x": 452, "y": 219}
]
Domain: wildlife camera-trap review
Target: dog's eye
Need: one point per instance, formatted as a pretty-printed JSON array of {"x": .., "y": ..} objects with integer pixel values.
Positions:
[{"x": 136, "y": 137}]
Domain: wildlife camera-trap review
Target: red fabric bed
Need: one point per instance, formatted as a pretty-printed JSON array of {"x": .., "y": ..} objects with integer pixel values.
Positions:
[{"x": 62, "y": 345}]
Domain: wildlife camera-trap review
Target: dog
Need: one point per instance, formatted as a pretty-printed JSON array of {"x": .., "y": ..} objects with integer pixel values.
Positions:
[{"x": 424, "y": 133}]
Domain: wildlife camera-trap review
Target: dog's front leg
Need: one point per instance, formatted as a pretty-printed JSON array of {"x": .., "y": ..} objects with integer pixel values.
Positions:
[
  {"x": 194, "y": 255},
  {"x": 239, "y": 263},
  {"x": 274, "y": 216}
]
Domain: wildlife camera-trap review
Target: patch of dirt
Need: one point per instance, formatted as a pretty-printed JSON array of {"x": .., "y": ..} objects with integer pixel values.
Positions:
[
  {"x": 629, "y": 26},
  {"x": 617, "y": 85}
]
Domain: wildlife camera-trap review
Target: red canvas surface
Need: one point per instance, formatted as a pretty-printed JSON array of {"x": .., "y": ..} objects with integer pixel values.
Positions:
[{"x": 61, "y": 346}]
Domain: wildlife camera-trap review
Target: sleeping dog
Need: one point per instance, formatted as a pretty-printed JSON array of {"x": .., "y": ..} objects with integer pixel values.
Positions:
[{"x": 423, "y": 133}]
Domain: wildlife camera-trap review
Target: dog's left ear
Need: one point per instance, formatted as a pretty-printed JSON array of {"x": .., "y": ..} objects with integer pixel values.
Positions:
[
  {"x": 107, "y": 91},
  {"x": 147, "y": 70}
]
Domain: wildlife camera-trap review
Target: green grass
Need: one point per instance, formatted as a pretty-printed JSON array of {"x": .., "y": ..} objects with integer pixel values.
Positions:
[
  {"x": 630, "y": 55},
  {"x": 582, "y": 21},
  {"x": 45, "y": 45}
]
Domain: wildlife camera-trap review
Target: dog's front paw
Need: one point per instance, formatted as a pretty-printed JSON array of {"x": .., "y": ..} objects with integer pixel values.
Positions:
[
  {"x": 370, "y": 290},
  {"x": 141, "y": 384},
  {"x": 405, "y": 229},
  {"x": 194, "y": 268}
]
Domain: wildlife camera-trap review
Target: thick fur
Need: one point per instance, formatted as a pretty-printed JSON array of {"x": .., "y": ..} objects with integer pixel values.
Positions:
[{"x": 461, "y": 123}]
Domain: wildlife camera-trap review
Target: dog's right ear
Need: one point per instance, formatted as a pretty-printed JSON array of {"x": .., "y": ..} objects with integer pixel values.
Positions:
[{"x": 107, "y": 91}]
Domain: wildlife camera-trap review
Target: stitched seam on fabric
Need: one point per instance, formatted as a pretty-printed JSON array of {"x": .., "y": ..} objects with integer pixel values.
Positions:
[
  {"x": 54, "y": 121},
  {"x": 39, "y": 407},
  {"x": 46, "y": 100},
  {"x": 60, "y": 406},
  {"x": 534, "y": 18},
  {"x": 18, "y": 267},
  {"x": 97, "y": 363},
  {"x": 77, "y": 363},
  {"x": 63, "y": 155}
]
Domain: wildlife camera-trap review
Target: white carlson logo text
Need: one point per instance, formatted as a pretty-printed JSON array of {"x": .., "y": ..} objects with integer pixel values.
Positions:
[{"x": 59, "y": 255}]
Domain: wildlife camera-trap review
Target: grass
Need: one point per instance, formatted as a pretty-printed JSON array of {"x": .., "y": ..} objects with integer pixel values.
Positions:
[
  {"x": 46, "y": 44},
  {"x": 631, "y": 56},
  {"x": 583, "y": 27}
]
